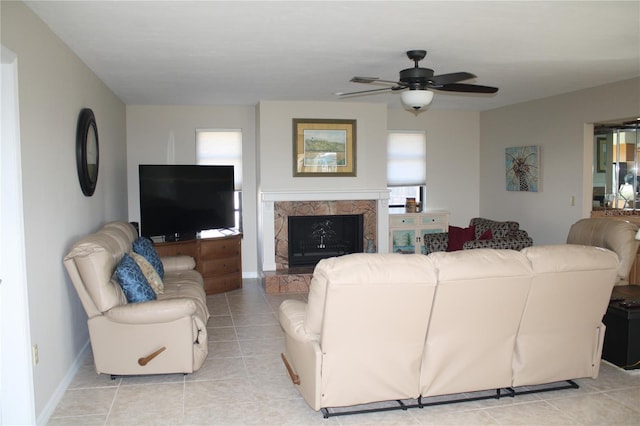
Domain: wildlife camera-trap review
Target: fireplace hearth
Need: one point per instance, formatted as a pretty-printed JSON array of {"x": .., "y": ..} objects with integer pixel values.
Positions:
[
  {"x": 278, "y": 276},
  {"x": 313, "y": 238}
]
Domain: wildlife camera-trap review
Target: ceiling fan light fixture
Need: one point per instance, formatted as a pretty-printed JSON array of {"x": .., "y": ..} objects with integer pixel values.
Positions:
[{"x": 417, "y": 99}]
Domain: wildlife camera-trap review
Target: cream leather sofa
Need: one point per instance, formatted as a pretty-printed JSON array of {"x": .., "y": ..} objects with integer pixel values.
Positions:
[
  {"x": 381, "y": 327},
  {"x": 167, "y": 335},
  {"x": 613, "y": 234}
]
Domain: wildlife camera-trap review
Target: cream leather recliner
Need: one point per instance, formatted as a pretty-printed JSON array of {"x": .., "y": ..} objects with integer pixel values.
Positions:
[
  {"x": 167, "y": 335},
  {"x": 561, "y": 331},
  {"x": 474, "y": 321},
  {"x": 384, "y": 327},
  {"x": 614, "y": 234},
  {"x": 361, "y": 336}
]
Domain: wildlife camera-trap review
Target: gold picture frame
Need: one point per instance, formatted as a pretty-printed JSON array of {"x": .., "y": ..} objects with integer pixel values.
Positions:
[{"x": 324, "y": 147}]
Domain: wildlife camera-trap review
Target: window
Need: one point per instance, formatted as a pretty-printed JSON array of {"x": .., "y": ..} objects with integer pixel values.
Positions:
[
  {"x": 406, "y": 166},
  {"x": 223, "y": 147}
]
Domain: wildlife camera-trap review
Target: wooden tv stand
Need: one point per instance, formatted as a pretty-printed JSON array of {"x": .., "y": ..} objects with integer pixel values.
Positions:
[{"x": 218, "y": 259}]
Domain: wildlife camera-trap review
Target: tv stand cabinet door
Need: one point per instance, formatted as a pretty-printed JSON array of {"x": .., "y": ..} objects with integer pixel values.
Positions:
[{"x": 221, "y": 263}]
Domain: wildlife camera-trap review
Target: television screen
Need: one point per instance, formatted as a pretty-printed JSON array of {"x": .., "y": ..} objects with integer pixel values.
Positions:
[{"x": 181, "y": 200}]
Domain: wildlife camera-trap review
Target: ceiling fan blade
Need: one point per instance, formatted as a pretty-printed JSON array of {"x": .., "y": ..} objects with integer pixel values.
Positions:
[
  {"x": 468, "y": 88},
  {"x": 362, "y": 92},
  {"x": 453, "y": 77},
  {"x": 359, "y": 79}
]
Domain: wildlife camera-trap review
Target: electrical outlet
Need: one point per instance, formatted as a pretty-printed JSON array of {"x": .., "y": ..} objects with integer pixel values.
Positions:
[{"x": 36, "y": 357}]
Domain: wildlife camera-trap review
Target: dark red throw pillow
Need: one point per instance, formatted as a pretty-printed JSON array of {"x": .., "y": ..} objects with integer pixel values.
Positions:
[
  {"x": 486, "y": 235},
  {"x": 459, "y": 236}
]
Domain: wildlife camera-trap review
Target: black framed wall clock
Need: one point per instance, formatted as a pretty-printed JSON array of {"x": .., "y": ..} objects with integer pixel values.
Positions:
[{"x": 87, "y": 151}]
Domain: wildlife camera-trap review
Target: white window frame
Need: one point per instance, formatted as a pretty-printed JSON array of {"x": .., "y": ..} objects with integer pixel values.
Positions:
[
  {"x": 223, "y": 147},
  {"x": 406, "y": 166}
]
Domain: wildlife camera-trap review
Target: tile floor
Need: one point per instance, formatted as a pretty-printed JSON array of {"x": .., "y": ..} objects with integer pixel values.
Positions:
[{"x": 243, "y": 382}]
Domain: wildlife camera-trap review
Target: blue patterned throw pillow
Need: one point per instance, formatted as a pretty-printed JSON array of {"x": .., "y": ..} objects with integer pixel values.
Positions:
[
  {"x": 135, "y": 286},
  {"x": 144, "y": 247}
]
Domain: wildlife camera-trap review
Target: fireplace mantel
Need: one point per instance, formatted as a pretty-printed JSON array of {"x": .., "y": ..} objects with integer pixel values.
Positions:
[
  {"x": 366, "y": 194},
  {"x": 267, "y": 222}
]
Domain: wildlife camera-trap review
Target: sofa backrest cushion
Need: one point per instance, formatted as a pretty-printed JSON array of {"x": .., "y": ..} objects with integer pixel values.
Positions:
[
  {"x": 498, "y": 229},
  {"x": 474, "y": 321},
  {"x": 95, "y": 258},
  {"x": 613, "y": 234},
  {"x": 343, "y": 269},
  {"x": 373, "y": 324},
  {"x": 561, "y": 333},
  {"x": 127, "y": 228},
  {"x": 91, "y": 263}
]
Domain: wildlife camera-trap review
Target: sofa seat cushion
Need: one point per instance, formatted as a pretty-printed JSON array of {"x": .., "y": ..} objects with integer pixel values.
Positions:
[
  {"x": 186, "y": 275},
  {"x": 133, "y": 282},
  {"x": 186, "y": 284},
  {"x": 175, "y": 289}
]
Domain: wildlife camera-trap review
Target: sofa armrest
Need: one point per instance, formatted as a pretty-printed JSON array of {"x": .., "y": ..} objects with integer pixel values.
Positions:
[
  {"x": 292, "y": 315},
  {"x": 153, "y": 312},
  {"x": 178, "y": 263},
  {"x": 436, "y": 242},
  {"x": 509, "y": 243}
]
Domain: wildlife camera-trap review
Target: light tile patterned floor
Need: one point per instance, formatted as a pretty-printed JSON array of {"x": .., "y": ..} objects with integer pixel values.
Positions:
[{"x": 243, "y": 382}]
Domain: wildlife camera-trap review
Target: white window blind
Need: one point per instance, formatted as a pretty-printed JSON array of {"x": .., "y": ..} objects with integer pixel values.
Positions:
[
  {"x": 221, "y": 147},
  {"x": 406, "y": 158}
]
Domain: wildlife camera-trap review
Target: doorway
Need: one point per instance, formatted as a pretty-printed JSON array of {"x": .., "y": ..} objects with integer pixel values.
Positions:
[
  {"x": 17, "y": 405},
  {"x": 616, "y": 171}
]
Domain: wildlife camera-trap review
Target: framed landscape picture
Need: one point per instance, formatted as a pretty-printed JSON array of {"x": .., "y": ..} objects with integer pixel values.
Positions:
[{"x": 324, "y": 147}]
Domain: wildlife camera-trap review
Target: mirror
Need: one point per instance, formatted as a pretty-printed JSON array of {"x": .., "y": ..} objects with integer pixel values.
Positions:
[
  {"x": 87, "y": 151},
  {"x": 616, "y": 171}
]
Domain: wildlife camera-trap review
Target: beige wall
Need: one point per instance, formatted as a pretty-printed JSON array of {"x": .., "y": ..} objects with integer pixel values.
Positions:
[
  {"x": 276, "y": 145},
  {"x": 560, "y": 126},
  {"x": 453, "y": 145},
  {"x": 149, "y": 131},
  {"x": 54, "y": 85}
]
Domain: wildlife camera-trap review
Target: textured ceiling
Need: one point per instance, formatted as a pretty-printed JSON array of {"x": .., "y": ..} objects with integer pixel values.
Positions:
[{"x": 239, "y": 52}]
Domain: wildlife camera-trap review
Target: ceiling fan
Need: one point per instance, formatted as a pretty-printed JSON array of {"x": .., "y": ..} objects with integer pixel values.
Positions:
[{"x": 421, "y": 82}]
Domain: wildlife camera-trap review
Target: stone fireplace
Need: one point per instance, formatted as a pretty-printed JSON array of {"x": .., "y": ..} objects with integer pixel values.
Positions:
[{"x": 281, "y": 277}]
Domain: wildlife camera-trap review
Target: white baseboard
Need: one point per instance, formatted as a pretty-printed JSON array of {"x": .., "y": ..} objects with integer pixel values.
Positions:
[{"x": 58, "y": 394}]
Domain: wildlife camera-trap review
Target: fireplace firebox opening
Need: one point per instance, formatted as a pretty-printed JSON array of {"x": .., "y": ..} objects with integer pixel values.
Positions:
[{"x": 313, "y": 238}]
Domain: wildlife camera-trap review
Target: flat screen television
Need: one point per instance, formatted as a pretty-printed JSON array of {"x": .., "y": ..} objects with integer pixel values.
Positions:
[{"x": 178, "y": 201}]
